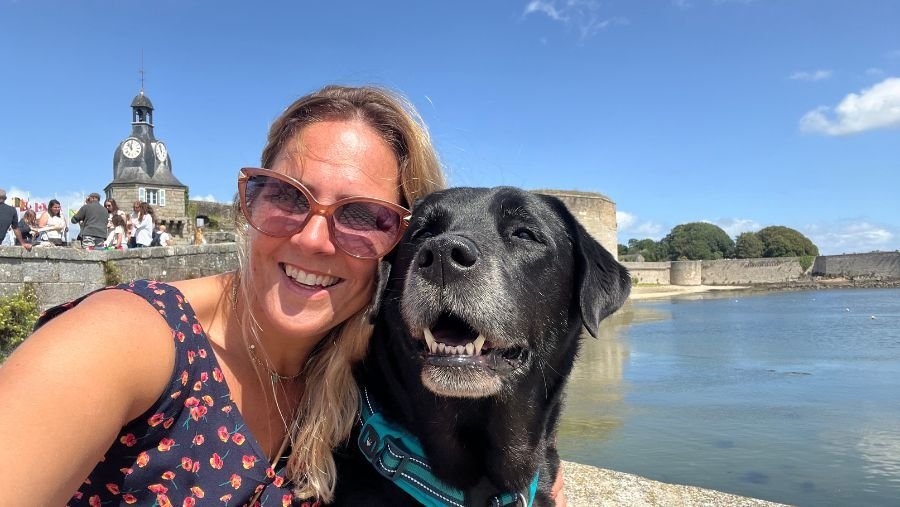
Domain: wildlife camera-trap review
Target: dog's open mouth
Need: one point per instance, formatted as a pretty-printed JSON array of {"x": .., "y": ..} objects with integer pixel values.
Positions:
[{"x": 452, "y": 342}]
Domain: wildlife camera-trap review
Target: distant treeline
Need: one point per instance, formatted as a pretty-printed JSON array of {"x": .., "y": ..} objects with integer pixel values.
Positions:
[{"x": 705, "y": 241}]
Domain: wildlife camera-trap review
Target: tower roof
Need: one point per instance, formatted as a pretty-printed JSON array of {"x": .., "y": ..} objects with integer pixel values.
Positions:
[{"x": 141, "y": 100}]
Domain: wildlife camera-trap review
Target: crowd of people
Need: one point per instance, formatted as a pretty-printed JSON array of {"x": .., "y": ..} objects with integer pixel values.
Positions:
[{"x": 101, "y": 226}]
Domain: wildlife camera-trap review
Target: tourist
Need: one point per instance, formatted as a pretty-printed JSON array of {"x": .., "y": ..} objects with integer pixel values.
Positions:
[
  {"x": 163, "y": 237},
  {"x": 132, "y": 219},
  {"x": 9, "y": 218},
  {"x": 113, "y": 209},
  {"x": 142, "y": 225},
  {"x": 52, "y": 226},
  {"x": 117, "y": 239},
  {"x": 199, "y": 239},
  {"x": 92, "y": 217},
  {"x": 28, "y": 228}
]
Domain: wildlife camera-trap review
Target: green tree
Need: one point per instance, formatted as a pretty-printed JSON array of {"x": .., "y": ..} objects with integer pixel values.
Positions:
[
  {"x": 697, "y": 241},
  {"x": 780, "y": 241},
  {"x": 623, "y": 249},
  {"x": 649, "y": 248},
  {"x": 748, "y": 246}
]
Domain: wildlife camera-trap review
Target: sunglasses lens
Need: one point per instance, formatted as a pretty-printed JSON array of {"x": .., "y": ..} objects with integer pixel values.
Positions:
[
  {"x": 274, "y": 206},
  {"x": 366, "y": 229}
]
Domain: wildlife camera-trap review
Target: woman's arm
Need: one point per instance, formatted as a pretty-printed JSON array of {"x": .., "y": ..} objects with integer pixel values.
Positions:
[
  {"x": 42, "y": 222},
  {"x": 71, "y": 386}
]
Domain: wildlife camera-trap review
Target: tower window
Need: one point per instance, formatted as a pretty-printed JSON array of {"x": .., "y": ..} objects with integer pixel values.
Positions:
[{"x": 152, "y": 196}]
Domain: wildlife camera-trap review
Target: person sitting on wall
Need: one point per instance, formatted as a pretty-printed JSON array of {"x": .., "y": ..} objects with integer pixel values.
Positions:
[
  {"x": 52, "y": 226},
  {"x": 9, "y": 217},
  {"x": 92, "y": 217},
  {"x": 117, "y": 239},
  {"x": 27, "y": 226}
]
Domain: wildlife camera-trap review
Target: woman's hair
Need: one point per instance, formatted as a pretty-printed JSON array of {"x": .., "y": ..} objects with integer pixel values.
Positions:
[
  {"x": 330, "y": 396},
  {"x": 50, "y": 205},
  {"x": 112, "y": 202},
  {"x": 145, "y": 209},
  {"x": 117, "y": 220}
]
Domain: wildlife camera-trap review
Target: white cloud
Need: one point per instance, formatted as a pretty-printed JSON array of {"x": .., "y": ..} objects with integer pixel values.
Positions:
[
  {"x": 580, "y": 15},
  {"x": 629, "y": 227},
  {"x": 852, "y": 237},
  {"x": 207, "y": 197},
  {"x": 816, "y": 75},
  {"x": 875, "y": 108},
  {"x": 735, "y": 226}
]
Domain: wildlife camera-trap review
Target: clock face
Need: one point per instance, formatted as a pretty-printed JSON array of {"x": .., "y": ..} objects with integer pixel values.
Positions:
[
  {"x": 131, "y": 148},
  {"x": 161, "y": 152}
]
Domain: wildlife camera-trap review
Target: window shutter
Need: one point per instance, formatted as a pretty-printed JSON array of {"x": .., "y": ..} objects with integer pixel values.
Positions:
[
  {"x": 142, "y": 194},
  {"x": 162, "y": 197}
]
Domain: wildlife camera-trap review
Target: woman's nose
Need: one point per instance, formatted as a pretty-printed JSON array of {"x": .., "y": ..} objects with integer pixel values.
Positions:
[{"x": 315, "y": 236}]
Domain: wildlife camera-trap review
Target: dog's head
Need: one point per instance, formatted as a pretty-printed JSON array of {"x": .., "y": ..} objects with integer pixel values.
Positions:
[{"x": 493, "y": 285}]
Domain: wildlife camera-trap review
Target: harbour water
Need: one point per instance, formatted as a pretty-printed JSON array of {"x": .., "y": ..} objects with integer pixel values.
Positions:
[{"x": 792, "y": 397}]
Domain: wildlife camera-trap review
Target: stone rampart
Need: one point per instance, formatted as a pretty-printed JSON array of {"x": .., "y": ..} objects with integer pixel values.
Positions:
[
  {"x": 62, "y": 274},
  {"x": 596, "y": 212},
  {"x": 875, "y": 265},
  {"x": 686, "y": 273},
  {"x": 751, "y": 271},
  {"x": 649, "y": 272}
]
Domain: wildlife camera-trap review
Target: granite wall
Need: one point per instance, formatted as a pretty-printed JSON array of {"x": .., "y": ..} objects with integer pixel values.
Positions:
[{"x": 875, "y": 265}]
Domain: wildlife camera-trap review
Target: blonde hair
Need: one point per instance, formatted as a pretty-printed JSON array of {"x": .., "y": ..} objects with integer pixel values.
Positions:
[{"x": 327, "y": 411}]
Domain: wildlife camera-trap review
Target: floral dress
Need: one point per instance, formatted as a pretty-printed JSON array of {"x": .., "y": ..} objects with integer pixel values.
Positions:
[{"x": 192, "y": 447}]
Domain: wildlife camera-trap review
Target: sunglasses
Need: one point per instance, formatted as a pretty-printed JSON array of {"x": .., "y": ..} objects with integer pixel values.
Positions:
[{"x": 278, "y": 205}]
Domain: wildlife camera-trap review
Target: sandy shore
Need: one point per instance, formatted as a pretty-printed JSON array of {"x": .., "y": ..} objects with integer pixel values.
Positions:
[{"x": 664, "y": 291}]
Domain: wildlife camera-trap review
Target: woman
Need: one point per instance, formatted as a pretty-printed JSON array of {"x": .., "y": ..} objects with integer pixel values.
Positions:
[
  {"x": 112, "y": 207},
  {"x": 261, "y": 357},
  {"x": 28, "y": 226},
  {"x": 51, "y": 225},
  {"x": 116, "y": 238},
  {"x": 142, "y": 225}
]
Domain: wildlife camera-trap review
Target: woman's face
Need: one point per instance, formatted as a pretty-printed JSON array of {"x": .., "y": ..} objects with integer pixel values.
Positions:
[
  {"x": 54, "y": 210},
  {"x": 306, "y": 285}
]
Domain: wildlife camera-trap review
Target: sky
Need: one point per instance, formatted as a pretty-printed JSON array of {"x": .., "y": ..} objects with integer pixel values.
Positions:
[{"x": 742, "y": 113}]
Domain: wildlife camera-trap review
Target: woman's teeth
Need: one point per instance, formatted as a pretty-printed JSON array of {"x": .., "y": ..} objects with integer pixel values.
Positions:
[
  {"x": 310, "y": 279},
  {"x": 472, "y": 348}
]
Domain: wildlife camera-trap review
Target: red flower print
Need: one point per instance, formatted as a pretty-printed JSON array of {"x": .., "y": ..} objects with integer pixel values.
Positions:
[
  {"x": 159, "y": 303},
  {"x": 94, "y": 501},
  {"x": 216, "y": 461},
  {"x": 204, "y": 377},
  {"x": 159, "y": 489},
  {"x": 225, "y": 498},
  {"x": 165, "y": 444},
  {"x": 238, "y": 439},
  {"x": 249, "y": 462},
  {"x": 168, "y": 475},
  {"x": 191, "y": 402},
  {"x": 198, "y": 385},
  {"x": 208, "y": 400},
  {"x": 142, "y": 459},
  {"x": 163, "y": 501},
  {"x": 169, "y": 422},
  {"x": 223, "y": 433},
  {"x": 202, "y": 353},
  {"x": 198, "y": 439},
  {"x": 175, "y": 395},
  {"x": 179, "y": 336},
  {"x": 235, "y": 481},
  {"x": 159, "y": 292},
  {"x": 113, "y": 488},
  {"x": 129, "y": 440},
  {"x": 183, "y": 318},
  {"x": 126, "y": 471},
  {"x": 270, "y": 472},
  {"x": 198, "y": 412},
  {"x": 197, "y": 491},
  {"x": 190, "y": 355},
  {"x": 286, "y": 500},
  {"x": 196, "y": 466},
  {"x": 278, "y": 481},
  {"x": 196, "y": 329},
  {"x": 226, "y": 409},
  {"x": 155, "y": 419},
  {"x": 78, "y": 495},
  {"x": 179, "y": 298},
  {"x": 129, "y": 498},
  {"x": 217, "y": 374},
  {"x": 189, "y": 502},
  {"x": 186, "y": 463},
  {"x": 184, "y": 377}
]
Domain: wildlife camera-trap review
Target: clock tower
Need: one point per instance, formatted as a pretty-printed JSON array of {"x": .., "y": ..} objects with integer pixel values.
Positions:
[{"x": 142, "y": 171}]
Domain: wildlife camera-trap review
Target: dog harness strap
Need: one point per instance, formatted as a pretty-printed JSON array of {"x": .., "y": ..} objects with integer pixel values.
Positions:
[{"x": 398, "y": 456}]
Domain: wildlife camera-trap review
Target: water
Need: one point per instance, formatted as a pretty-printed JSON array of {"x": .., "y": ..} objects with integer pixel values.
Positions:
[{"x": 792, "y": 397}]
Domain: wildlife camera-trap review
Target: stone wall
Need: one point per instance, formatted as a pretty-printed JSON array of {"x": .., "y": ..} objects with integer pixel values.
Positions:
[
  {"x": 649, "y": 272},
  {"x": 875, "y": 265},
  {"x": 751, "y": 271},
  {"x": 62, "y": 274},
  {"x": 596, "y": 212}
]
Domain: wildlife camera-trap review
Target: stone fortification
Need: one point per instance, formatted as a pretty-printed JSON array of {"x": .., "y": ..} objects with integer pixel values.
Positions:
[
  {"x": 596, "y": 212},
  {"x": 652, "y": 273},
  {"x": 751, "y": 271},
  {"x": 686, "y": 273},
  {"x": 875, "y": 265},
  {"x": 62, "y": 274}
]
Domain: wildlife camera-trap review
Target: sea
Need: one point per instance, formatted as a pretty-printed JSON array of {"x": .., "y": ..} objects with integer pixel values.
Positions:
[{"x": 792, "y": 397}]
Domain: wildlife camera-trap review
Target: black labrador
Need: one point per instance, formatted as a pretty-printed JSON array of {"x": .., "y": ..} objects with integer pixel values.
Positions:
[{"x": 476, "y": 332}]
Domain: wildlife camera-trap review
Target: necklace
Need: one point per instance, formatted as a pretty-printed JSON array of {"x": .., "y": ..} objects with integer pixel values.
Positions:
[{"x": 273, "y": 375}]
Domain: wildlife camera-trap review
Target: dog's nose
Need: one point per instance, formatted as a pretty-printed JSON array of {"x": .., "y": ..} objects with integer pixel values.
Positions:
[{"x": 444, "y": 258}]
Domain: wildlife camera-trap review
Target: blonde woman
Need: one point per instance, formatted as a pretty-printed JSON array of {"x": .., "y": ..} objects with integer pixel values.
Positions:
[{"x": 219, "y": 376}]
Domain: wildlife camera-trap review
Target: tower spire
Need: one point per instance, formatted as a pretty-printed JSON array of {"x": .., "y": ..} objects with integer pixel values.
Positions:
[{"x": 142, "y": 72}]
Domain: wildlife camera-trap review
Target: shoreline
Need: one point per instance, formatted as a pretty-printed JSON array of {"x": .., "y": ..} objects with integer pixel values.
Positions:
[{"x": 641, "y": 292}]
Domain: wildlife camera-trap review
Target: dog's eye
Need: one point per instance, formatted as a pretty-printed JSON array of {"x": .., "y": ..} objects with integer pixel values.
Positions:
[
  {"x": 421, "y": 234},
  {"x": 525, "y": 233}
]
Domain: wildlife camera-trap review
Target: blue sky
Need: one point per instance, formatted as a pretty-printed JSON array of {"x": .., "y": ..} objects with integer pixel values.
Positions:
[{"x": 743, "y": 113}]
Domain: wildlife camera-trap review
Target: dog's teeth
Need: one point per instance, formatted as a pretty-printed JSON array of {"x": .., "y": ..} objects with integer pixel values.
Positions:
[
  {"x": 429, "y": 338},
  {"x": 470, "y": 348},
  {"x": 460, "y": 349},
  {"x": 441, "y": 347},
  {"x": 478, "y": 343}
]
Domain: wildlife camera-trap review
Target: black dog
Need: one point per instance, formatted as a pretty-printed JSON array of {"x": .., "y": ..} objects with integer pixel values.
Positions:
[{"x": 477, "y": 331}]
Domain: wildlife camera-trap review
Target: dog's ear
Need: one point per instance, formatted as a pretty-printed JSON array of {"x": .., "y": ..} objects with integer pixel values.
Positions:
[
  {"x": 381, "y": 281},
  {"x": 602, "y": 283}
]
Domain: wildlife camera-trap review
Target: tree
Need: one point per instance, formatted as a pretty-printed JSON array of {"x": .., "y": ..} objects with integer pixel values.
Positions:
[
  {"x": 697, "y": 241},
  {"x": 748, "y": 246},
  {"x": 622, "y": 249},
  {"x": 648, "y": 248},
  {"x": 781, "y": 241}
]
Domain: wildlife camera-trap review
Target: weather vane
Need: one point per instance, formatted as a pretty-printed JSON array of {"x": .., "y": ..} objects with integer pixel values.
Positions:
[{"x": 142, "y": 72}]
